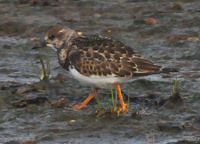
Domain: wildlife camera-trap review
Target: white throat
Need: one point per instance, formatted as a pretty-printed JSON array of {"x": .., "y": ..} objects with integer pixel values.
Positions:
[
  {"x": 70, "y": 35},
  {"x": 52, "y": 46}
]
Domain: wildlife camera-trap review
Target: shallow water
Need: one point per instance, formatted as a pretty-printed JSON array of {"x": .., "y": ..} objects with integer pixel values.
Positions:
[{"x": 172, "y": 42}]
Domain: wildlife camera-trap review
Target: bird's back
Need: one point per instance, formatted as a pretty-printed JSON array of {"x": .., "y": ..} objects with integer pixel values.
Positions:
[{"x": 97, "y": 56}]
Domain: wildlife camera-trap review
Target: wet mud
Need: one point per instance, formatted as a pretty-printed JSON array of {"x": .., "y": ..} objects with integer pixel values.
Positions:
[{"x": 160, "y": 112}]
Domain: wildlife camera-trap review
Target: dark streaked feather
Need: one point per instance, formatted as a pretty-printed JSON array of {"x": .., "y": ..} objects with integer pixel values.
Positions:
[
  {"x": 168, "y": 70},
  {"x": 99, "y": 56}
]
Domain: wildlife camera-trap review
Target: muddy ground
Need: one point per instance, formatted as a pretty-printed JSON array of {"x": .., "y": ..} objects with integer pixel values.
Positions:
[{"x": 34, "y": 111}]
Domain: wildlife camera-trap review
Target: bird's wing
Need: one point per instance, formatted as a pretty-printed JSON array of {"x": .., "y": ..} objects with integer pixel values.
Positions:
[{"x": 99, "y": 57}]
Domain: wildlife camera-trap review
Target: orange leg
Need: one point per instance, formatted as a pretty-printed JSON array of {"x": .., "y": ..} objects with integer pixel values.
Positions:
[
  {"x": 124, "y": 105},
  {"x": 85, "y": 102}
]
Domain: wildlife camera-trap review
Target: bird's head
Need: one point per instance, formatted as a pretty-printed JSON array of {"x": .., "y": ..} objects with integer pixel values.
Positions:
[{"x": 57, "y": 37}]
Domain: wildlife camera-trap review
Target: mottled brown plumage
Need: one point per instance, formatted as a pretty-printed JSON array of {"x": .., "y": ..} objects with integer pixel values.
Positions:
[
  {"x": 104, "y": 57},
  {"x": 97, "y": 56},
  {"x": 98, "y": 61}
]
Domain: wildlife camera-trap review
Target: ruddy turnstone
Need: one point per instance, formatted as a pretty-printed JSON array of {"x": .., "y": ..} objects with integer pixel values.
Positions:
[{"x": 98, "y": 61}]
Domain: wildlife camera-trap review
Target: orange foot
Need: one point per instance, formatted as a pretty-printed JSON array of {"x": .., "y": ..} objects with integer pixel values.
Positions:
[
  {"x": 123, "y": 105},
  {"x": 123, "y": 108},
  {"x": 84, "y": 103},
  {"x": 78, "y": 106}
]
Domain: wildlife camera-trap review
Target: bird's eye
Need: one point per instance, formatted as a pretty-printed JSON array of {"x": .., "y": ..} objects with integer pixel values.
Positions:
[{"x": 51, "y": 37}]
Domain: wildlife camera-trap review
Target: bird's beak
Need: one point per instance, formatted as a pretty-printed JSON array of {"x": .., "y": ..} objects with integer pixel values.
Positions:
[{"x": 41, "y": 45}]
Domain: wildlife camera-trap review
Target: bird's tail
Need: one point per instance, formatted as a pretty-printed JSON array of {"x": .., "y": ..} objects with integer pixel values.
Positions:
[{"x": 168, "y": 70}]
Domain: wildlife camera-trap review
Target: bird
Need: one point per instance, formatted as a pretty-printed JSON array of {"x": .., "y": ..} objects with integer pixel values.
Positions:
[{"x": 98, "y": 61}]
